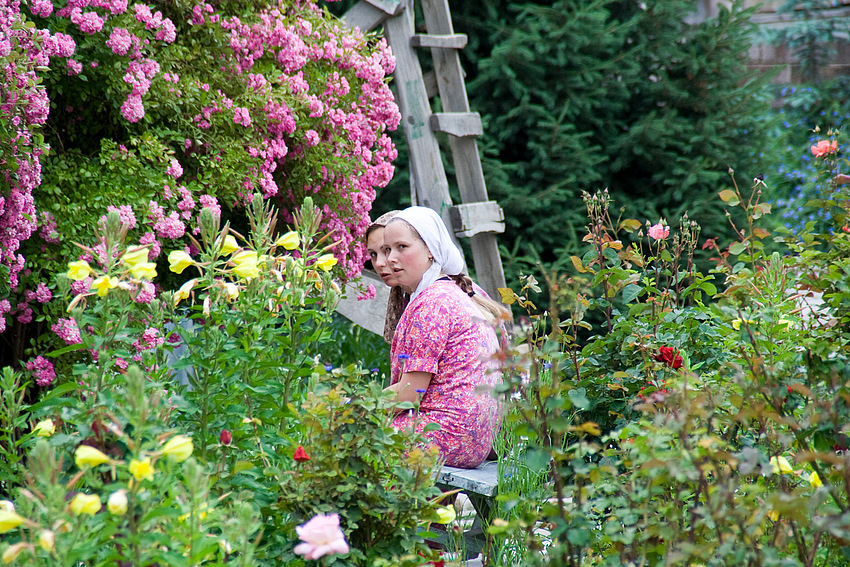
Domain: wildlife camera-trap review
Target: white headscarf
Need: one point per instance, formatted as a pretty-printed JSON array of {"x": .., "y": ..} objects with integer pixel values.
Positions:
[{"x": 447, "y": 257}]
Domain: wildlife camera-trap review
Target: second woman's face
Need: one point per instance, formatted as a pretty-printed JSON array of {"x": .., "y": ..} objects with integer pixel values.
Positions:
[
  {"x": 407, "y": 256},
  {"x": 375, "y": 249}
]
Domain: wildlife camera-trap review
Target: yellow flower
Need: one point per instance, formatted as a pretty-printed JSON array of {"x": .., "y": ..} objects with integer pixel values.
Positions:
[
  {"x": 201, "y": 513},
  {"x": 178, "y": 448},
  {"x": 145, "y": 270},
  {"x": 230, "y": 245},
  {"x": 326, "y": 262},
  {"x": 780, "y": 465},
  {"x": 14, "y": 550},
  {"x": 47, "y": 540},
  {"x": 117, "y": 503},
  {"x": 44, "y": 428},
  {"x": 291, "y": 240},
  {"x": 246, "y": 264},
  {"x": 232, "y": 290},
  {"x": 773, "y": 515},
  {"x": 141, "y": 469},
  {"x": 9, "y": 520},
  {"x": 814, "y": 480},
  {"x": 85, "y": 504},
  {"x": 103, "y": 284},
  {"x": 135, "y": 256},
  {"x": 184, "y": 291},
  {"x": 446, "y": 514},
  {"x": 78, "y": 270},
  {"x": 178, "y": 261},
  {"x": 86, "y": 456}
]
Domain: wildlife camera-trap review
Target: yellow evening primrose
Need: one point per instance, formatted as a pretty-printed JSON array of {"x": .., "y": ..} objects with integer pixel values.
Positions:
[
  {"x": 230, "y": 245},
  {"x": 178, "y": 448},
  {"x": 117, "y": 503},
  {"x": 446, "y": 514},
  {"x": 78, "y": 270},
  {"x": 9, "y": 520},
  {"x": 815, "y": 480},
  {"x": 178, "y": 260},
  {"x": 85, "y": 504},
  {"x": 780, "y": 465},
  {"x": 144, "y": 271},
  {"x": 47, "y": 540},
  {"x": 184, "y": 291},
  {"x": 135, "y": 256},
  {"x": 246, "y": 264},
  {"x": 141, "y": 469},
  {"x": 103, "y": 284},
  {"x": 44, "y": 428},
  {"x": 12, "y": 552},
  {"x": 326, "y": 262},
  {"x": 291, "y": 240},
  {"x": 86, "y": 456},
  {"x": 232, "y": 290}
]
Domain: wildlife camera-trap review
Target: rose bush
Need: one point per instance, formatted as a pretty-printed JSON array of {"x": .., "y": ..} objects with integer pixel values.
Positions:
[
  {"x": 677, "y": 431},
  {"x": 192, "y": 106}
]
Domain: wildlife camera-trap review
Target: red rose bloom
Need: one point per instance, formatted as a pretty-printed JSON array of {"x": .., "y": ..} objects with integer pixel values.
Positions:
[
  {"x": 300, "y": 455},
  {"x": 669, "y": 356}
]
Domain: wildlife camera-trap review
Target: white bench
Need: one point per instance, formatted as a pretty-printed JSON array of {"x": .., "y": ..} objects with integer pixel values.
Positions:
[{"x": 481, "y": 486}]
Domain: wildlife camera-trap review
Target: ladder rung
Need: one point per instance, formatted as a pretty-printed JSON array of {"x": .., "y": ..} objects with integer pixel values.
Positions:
[
  {"x": 391, "y": 7},
  {"x": 470, "y": 219},
  {"x": 460, "y": 124},
  {"x": 452, "y": 41}
]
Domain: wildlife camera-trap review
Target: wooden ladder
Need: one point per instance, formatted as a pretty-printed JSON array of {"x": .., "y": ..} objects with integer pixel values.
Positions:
[{"x": 476, "y": 218}]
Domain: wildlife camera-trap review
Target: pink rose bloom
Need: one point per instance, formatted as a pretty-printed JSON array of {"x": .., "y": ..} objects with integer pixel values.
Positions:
[
  {"x": 824, "y": 147},
  {"x": 321, "y": 536},
  {"x": 659, "y": 231}
]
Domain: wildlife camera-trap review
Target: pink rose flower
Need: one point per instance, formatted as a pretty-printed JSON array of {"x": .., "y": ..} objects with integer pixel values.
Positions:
[
  {"x": 321, "y": 536},
  {"x": 824, "y": 147},
  {"x": 659, "y": 231}
]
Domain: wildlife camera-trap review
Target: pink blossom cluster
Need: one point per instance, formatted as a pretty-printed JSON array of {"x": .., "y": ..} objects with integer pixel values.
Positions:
[
  {"x": 67, "y": 330},
  {"x": 24, "y": 104},
  {"x": 42, "y": 371}
]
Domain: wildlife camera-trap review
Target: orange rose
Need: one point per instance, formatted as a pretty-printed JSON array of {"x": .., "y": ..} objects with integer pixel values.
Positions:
[{"x": 824, "y": 147}]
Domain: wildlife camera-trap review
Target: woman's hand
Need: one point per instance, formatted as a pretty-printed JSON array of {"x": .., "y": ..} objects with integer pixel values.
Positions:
[{"x": 406, "y": 387}]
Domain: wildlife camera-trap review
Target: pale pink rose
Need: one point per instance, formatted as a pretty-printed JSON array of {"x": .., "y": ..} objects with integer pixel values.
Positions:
[
  {"x": 321, "y": 536},
  {"x": 658, "y": 231}
]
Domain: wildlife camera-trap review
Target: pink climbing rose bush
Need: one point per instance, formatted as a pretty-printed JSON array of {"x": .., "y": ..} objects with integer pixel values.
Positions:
[{"x": 281, "y": 100}]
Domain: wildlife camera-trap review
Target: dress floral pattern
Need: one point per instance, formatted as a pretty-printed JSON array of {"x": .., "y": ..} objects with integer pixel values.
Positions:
[{"x": 443, "y": 333}]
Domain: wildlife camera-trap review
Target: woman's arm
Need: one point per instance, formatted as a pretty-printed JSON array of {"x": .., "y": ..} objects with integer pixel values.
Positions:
[{"x": 407, "y": 385}]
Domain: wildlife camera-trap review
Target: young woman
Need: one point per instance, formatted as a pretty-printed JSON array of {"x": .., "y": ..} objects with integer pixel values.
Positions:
[{"x": 443, "y": 348}]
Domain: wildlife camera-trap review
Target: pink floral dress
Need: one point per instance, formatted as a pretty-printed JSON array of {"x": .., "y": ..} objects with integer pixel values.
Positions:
[{"x": 442, "y": 332}]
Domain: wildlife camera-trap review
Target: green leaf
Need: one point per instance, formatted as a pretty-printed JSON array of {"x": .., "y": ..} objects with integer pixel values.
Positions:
[
  {"x": 630, "y": 292},
  {"x": 737, "y": 248},
  {"x": 579, "y": 398}
]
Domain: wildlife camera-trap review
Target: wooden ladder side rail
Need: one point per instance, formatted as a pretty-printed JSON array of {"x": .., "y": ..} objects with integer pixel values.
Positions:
[{"x": 468, "y": 170}]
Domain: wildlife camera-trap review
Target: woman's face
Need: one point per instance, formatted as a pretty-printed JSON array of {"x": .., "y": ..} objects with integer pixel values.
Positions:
[
  {"x": 407, "y": 256},
  {"x": 375, "y": 249}
]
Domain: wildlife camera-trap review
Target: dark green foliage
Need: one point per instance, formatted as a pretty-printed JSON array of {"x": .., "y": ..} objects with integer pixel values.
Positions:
[{"x": 585, "y": 95}]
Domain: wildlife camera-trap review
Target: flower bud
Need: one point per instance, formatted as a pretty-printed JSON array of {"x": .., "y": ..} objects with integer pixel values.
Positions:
[
  {"x": 225, "y": 437},
  {"x": 117, "y": 503}
]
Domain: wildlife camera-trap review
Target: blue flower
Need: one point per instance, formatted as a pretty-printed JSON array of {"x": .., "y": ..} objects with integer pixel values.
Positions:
[
  {"x": 329, "y": 367},
  {"x": 419, "y": 391},
  {"x": 403, "y": 356},
  {"x": 547, "y": 365},
  {"x": 376, "y": 370}
]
